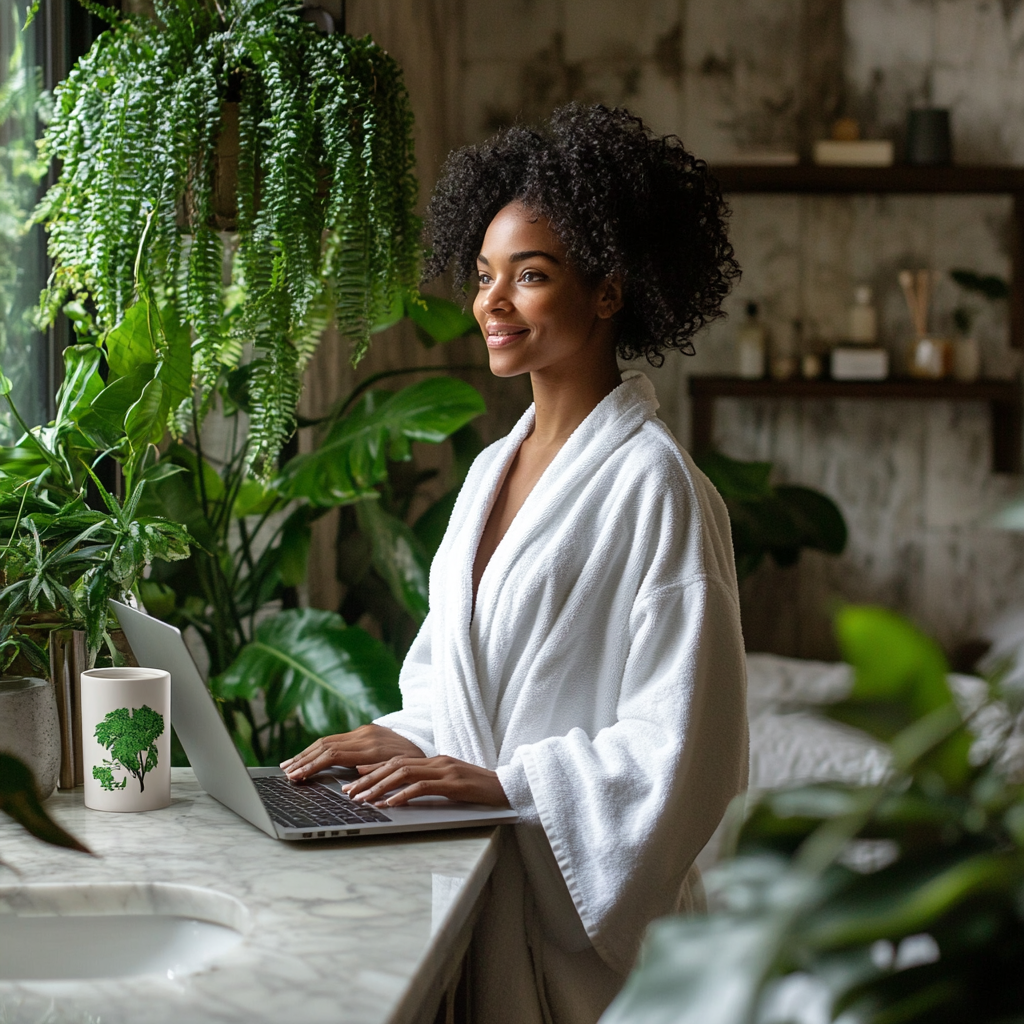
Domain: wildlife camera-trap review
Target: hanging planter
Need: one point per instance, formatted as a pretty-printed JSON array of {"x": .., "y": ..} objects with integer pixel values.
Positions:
[{"x": 317, "y": 179}]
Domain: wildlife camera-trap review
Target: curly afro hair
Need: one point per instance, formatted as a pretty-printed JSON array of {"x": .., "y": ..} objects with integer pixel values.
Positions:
[{"x": 622, "y": 200}]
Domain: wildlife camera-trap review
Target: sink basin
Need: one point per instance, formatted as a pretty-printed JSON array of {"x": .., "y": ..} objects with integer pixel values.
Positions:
[{"x": 116, "y": 930}]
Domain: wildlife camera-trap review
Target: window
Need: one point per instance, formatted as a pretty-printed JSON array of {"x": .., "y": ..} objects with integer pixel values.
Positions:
[{"x": 24, "y": 353}]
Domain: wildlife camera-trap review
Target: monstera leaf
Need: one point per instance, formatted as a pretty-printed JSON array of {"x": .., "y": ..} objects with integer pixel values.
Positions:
[
  {"x": 308, "y": 661},
  {"x": 353, "y": 457},
  {"x": 398, "y": 555}
]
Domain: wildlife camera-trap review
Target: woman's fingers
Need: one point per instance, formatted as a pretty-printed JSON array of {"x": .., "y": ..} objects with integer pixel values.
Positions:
[
  {"x": 369, "y": 744},
  {"x": 400, "y": 780},
  {"x": 311, "y": 765},
  {"x": 373, "y": 776}
]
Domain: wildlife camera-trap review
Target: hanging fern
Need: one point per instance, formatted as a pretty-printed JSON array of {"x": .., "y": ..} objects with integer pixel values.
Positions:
[{"x": 325, "y": 196}]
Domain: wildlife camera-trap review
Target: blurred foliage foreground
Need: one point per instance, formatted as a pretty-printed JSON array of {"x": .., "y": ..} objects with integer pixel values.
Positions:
[{"x": 901, "y": 902}]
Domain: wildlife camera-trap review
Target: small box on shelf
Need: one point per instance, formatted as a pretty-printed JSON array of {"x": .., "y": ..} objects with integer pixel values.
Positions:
[
  {"x": 854, "y": 153},
  {"x": 850, "y": 362}
]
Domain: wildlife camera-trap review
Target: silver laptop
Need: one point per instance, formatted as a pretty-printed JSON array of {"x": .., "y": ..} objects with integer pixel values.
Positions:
[{"x": 317, "y": 809}]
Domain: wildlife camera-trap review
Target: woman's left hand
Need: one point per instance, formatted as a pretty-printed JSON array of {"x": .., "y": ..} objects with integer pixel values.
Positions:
[{"x": 426, "y": 776}]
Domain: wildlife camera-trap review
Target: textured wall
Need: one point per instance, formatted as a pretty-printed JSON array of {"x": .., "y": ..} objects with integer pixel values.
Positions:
[{"x": 734, "y": 75}]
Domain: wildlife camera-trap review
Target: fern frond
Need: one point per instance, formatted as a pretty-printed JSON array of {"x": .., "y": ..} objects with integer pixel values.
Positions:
[{"x": 326, "y": 189}]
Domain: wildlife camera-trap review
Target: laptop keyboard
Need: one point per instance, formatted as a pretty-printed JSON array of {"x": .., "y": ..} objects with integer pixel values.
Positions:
[{"x": 312, "y": 805}]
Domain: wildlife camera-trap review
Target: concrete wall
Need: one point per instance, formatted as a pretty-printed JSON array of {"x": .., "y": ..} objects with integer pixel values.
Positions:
[{"x": 734, "y": 75}]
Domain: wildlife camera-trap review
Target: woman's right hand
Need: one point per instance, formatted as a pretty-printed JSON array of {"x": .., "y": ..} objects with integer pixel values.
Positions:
[{"x": 369, "y": 744}]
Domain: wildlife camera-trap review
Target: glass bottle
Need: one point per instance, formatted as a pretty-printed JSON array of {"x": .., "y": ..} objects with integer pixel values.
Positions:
[{"x": 750, "y": 344}]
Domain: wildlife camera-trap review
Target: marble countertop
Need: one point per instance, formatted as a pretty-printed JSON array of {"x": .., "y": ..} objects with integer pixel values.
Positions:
[{"x": 356, "y": 930}]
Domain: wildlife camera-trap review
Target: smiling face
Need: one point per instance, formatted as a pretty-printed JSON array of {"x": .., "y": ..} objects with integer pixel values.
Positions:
[{"x": 536, "y": 311}]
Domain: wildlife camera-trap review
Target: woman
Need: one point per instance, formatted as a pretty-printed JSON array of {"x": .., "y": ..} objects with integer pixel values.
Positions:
[{"x": 582, "y": 660}]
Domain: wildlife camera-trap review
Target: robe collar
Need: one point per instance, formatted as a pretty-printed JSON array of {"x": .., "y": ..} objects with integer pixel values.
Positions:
[{"x": 608, "y": 425}]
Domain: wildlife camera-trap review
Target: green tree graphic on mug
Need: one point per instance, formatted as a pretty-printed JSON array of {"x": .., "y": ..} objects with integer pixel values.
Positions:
[{"x": 131, "y": 738}]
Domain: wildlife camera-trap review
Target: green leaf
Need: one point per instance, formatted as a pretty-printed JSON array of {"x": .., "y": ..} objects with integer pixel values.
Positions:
[
  {"x": 699, "y": 970},
  {"x": 174, "y": 498},
  {"x": 909, "y": 898},
  {"x": 18, "y": 799},
  {"x": 5, "y": 384},
  {"x": 145, "y": 421},
  {"x": 742, "y": 481},
  {"x": 430, "y": 527},
  {"x": 129, "y": 345},
  {"x": 892, "y": 660},
  {"x": 353, "y": 457},
  {"x": 338, "y": 677},
  {"x": 254, "y": 497},
  {"x": 394, "y": 314},
  {"x": 438, "y": 321},
  {"x": 989, "y": 285},
  {"x": 158, "y": 598},
  {"x": 900, "y": 691},
  {"x": 293, "y": 560},
  {"x": 819, "y": 522},
  {"x": 82, "y": 382},
  {"x": 398, "y": 557},
  {"x": 175, "y": 367},
  {"x": 111, "y": 405}
]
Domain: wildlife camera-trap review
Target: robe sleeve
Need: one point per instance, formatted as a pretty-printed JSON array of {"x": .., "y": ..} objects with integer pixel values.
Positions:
[
  {"x": 415, "y": 721},
  {"x": 626, "y": 811}
]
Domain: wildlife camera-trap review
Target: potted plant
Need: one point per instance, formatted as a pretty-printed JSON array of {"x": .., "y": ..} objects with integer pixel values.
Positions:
[
  {"x": 325, "y": 228},
  {"x": 284, "y": 673},
  {"x": 899, "y": 901}
]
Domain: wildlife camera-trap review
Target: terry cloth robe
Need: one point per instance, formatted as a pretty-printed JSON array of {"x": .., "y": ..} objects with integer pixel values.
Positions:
[{"x": 602, "y": 676}]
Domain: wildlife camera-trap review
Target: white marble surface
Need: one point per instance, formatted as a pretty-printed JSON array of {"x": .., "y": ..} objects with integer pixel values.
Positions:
[{"x": 336, "y": 930}]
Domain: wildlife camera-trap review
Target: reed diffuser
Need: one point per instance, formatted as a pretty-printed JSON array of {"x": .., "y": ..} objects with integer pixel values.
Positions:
[{"x": 931, "y": 358}]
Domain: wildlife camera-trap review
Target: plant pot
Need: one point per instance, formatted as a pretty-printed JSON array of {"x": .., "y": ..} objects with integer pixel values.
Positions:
[
  {"x": 68, "y": 659},
  {"x": 30, "y": 728}
]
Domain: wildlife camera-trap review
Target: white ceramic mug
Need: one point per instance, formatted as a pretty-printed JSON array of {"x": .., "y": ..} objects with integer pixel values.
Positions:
[{"x": 126, "y": 738}]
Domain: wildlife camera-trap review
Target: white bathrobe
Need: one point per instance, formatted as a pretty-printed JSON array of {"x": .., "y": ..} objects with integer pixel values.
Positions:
[{"x": 602, "y": 676}]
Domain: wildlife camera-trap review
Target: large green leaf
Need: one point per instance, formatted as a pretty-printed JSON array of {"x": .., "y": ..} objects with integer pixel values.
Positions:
[
  {"x": 900, "y": 686},
  {"x": 398, "y": 557},
  {"x": 743, "y": 481},
  {"x": 129, "y": 345},
  {"x": 710, "y": 969},
  {"x": 892, "y": 660},
  {"x": 909, "y": 897},
  {"x": 145, "y": 420},
  {"x": 353, "y": 457},
  {"x": 697, "y": 971},
  {"x": 307, "y": 660},
  {"x": 817, "y": 518},
  {"x": 111, "y": 405},
  {"x": 438, "y": 321},
  {"x": 293, "y": 556},
  {"x": 175, "y": 367},
  {"x": 82, "y": 382}
]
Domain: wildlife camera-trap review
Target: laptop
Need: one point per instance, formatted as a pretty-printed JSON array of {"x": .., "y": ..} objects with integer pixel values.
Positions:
[{"x": 316, "y": 809}]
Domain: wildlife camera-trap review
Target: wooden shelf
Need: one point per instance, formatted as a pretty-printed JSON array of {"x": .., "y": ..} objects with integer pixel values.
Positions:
[
  {"x": 979, "y": 179},
  {"x": 900, "y": 178},
  {"x": 1003, "y": 398}
]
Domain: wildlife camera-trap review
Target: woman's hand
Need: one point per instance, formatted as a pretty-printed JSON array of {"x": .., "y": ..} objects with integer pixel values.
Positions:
[
  {"x": 367, "y": 745},
  {"x": 426, "y": 776}
]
